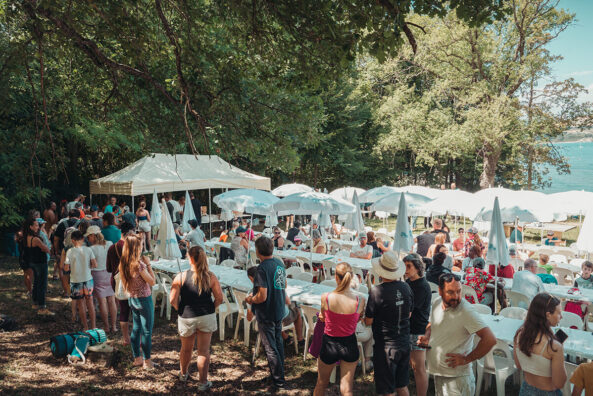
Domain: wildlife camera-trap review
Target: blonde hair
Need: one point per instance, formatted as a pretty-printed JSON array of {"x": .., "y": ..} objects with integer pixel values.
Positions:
[
  {"x": 199, "y": 266},
  {"x": 439, "y": 238},
  {"x": 344, "y": 274},
  {"x": 100, "y": 238},
  {"x": 129, "y": 263}
]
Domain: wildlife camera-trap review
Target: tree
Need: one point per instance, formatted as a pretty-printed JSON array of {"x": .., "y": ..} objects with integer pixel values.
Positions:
[{"x": 474, "y": 82}]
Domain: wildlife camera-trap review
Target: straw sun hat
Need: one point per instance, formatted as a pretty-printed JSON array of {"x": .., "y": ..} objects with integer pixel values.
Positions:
[{"x": 388, "y": 266}]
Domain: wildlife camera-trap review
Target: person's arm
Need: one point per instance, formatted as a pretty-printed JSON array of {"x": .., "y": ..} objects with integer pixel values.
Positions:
[
  {"x": 147, "y": 274},
  {"x": 321, "y": 315},
  {"x": 216, "y": 290},
  {"x": 425, "y": 339},
  {"x": 369, "y": 312},
  {"x": 558, "y": 369},
  {"x": 487, "y": 342},
  {"x": 577, "y": 390},
  {"x": 175, "y": 291},
  {"x": 37, "y": 242},
  {"x": 367, "y": 256},
  {"x": 65, "y": 261},
  {"x": 93, "y": 263}
]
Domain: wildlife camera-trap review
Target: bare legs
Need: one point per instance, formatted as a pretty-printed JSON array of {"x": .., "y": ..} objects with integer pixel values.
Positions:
[
  {"x": 108, "y": 312},
  {"x": 417, "y": 359},
  {"x": 90, "y": 307},
  {"x": 28, "y": 279},
  {"x": 346, "y": 377},
  {"x": 203, "y": 348}
]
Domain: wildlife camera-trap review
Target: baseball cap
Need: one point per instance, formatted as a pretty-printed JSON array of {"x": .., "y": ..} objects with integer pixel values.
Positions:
[
  {"x": 94, "y": 208},
  {"x": 472, "y": 230},
  {"x": 40, "y": 220}
]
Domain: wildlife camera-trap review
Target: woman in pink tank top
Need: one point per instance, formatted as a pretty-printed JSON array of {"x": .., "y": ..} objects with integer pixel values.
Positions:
[{"x": 340, "y": 310}]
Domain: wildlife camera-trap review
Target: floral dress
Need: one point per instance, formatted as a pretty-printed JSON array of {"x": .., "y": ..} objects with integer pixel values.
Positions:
[{"x": 477, "y": 279}]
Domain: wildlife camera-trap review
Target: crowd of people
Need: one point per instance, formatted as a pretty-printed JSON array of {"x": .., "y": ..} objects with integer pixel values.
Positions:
[{"x": 99, "y": 255}]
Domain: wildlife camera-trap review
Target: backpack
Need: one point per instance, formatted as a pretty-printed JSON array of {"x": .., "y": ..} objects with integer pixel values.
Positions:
[
  {"x": 68, "y": 233},
  {"x": 63, "y": 344},
  {"x": 7, "y": 323}
]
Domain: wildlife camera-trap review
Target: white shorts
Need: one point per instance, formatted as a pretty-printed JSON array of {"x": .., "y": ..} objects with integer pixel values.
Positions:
[
  {"x": 144, "y": 225},
  {"x": 204, "y": 323},
  {"x": 455, "y": 386}
]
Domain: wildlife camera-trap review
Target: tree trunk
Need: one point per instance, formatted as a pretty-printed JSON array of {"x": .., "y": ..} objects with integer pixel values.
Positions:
[{"x": 491, "y": 156}]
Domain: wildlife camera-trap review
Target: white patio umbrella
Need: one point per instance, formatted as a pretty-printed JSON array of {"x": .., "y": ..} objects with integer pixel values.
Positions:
[
  {"x": 498, "y": 251},
  {"x": 188, "y": 213},
  {"x": 452, "y": 202},
  {"x": 574, "y": 202},
  {"x": 390, "y": 203},
  {"x": 429, "y": 192},
  {"x": 375, "y": 194},
  {"x": 155, "y": 211},
  {"x": 289, "y": 189},
  {"x": 403, "y": 239},
  {"x": 347, "y": 192},
  {"x": 585, "y": 240},
  {"x": 530, "y": 206},
  {"x": 354, "y": 221},
  {"x": 247, "y": 200},
  {"x": 308, "y": 203},
  {"x": 166, "y": 243}
]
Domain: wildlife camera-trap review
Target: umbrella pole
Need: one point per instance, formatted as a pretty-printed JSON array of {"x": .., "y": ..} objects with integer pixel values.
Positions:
[
  {"x": 210, "y": 212},
  {"x": 178, "y": 264}
]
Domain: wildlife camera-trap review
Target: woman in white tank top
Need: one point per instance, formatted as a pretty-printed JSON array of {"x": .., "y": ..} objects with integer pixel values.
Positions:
[{"x": 537, "y": 351}]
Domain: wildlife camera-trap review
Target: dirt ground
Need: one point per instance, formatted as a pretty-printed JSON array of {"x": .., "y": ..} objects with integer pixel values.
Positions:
[{"x": 28, "y": 367}]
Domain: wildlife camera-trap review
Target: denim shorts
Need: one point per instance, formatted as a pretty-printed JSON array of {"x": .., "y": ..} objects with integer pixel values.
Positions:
[
  {"x": 529, "y": 390},
  {"x": 414, "y": 342}
]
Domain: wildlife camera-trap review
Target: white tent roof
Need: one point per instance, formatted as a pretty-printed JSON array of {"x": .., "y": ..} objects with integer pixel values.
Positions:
[{"x": 167, "y": 172}]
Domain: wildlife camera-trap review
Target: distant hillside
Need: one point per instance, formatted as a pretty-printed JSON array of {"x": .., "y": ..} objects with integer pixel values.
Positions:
[{"x": 576, "y": 135}]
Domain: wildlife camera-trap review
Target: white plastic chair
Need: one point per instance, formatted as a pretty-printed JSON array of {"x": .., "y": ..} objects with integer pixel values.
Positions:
[
  {"x": 334, "y": 246},
  {"x": 310, "y": 317},
  {"x": 469, "y": 292},
  {"x": 570, "y": 369},
  {"x": 229, "y": 263},
  {"x": 157, "y": 289},
  {"x": 329, "y": 269},
  {"x": 304, "y": 276},
  {"x": 330, "y": 282},
  {"x": 363, "y": 289},
  {"x": 482, "y": 309},
  {"x": 514, "y": 313},
  {"x": 501, "y": 367},
  {"x": 292, "y": 272},
  {"x": 211, "y": 261},
  {"x": 518, "y": 299},
  {"x": 563, "y": 276},
  {"x": 346, "y": 236},
  {"x": 242, "y": 314},
  {"x": 224, "y": 310},
  {"x": 570, "y": 319},
  {"x": 166, "y": 287}
]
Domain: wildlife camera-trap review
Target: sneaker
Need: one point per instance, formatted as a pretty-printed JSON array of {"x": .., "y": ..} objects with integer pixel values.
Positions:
[
  {"x": 301, "y": 344},
  {"x": 368, "y": 365},
  {"x": 45, "y": 312},
  {"x": 183, "y": 377},
  {"x": 289, "y": 340},
  {"x": 35, "y": 306},
  {"x": 204, "y": 386}
]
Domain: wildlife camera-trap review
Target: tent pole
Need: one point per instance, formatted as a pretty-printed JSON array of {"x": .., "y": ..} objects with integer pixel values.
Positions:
[
  {"x": 210, "y": 212},
  {"x": 133, "y": 210},
  {"x": 91, "y": 197}
]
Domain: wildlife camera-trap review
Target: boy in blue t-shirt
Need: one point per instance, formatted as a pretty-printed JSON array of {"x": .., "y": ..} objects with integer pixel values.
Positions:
[{"x": 585, "y": 281}]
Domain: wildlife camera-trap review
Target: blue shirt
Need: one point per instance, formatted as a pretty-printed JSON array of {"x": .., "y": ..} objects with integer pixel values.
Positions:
[
  {"x": 111, "y": 233},
  {"x": 516, "y": 236}
]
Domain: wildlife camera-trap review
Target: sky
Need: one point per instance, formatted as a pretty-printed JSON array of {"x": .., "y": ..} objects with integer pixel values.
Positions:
[{"x": 575, "y": 45}]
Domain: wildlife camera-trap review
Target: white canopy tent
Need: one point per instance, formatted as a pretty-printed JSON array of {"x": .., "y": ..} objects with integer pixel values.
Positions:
[
  {"x": 176, "y": 172},
  {"x": 179, "y": 172}
]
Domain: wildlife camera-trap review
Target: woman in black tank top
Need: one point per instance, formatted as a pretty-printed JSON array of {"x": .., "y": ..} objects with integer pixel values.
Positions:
[
  {"x": 195, "y": 294},
  {"x": 35, "y": 254}
]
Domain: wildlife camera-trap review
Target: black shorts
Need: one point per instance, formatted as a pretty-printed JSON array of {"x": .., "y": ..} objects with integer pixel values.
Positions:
[
  {"x": 334, "y": 349},
  {"x": 25, "y": 265},
  {"x": 392, "y": 366}
]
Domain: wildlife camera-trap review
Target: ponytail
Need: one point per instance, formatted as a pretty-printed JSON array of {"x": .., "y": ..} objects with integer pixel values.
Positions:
[{"x": 344, "y": 274}]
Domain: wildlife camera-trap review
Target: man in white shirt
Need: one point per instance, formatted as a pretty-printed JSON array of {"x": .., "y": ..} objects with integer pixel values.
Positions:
[
  {"x": 450, "y": 334},
  {"x": 527, "y": 282},
  {"x": 195, "y": 237},
  {"x": 362, "y": 250}
]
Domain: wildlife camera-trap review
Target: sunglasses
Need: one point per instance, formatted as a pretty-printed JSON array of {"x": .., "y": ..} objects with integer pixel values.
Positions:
[{"x": 277, "y": 233}]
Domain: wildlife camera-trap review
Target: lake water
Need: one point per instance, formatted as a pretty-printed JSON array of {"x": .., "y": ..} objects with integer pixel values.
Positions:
[{"x": 580, "y": 158}]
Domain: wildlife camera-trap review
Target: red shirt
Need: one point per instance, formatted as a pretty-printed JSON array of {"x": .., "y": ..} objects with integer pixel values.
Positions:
[{"x": 505, "y": 272}]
